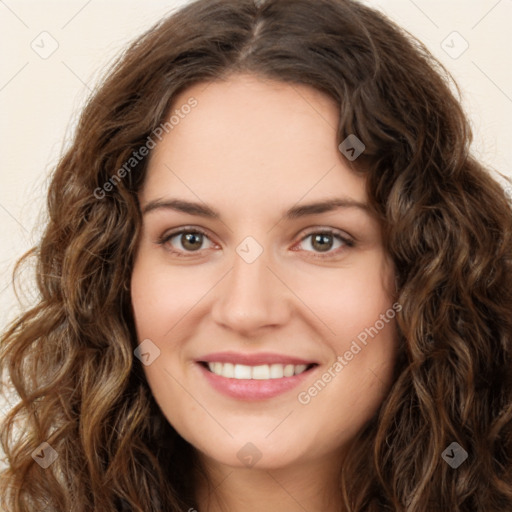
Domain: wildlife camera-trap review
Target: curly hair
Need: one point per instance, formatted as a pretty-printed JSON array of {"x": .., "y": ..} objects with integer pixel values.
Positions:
[{"x": 447, "y": 225}]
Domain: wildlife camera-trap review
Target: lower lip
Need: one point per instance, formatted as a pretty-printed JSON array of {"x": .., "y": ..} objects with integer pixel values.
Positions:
[{"x": 253, "y": 389}]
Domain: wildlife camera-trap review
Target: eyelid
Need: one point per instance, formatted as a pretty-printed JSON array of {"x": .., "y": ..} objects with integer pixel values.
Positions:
[{"x": 333, "y": 231}]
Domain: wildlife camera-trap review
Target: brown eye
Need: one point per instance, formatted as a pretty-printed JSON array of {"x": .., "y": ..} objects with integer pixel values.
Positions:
[
  {"x": 191, "y": 241},
  {"x": 322, "y": 242},
  {"x": 185, "y": 241},
  {"x": 326, "y": 242}
]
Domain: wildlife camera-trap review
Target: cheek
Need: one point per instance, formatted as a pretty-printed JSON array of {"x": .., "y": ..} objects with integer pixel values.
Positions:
[
  {"x": 351, "y": 388},
  {"x": 161, "y": 297},
  {"x": 349, "y": 300},
  {"x": 160, "y": 301},
  {"x": 359, "y": 309}
]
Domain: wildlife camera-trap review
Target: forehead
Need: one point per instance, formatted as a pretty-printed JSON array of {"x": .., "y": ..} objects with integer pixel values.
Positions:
[{"x": 263, "y": 139}]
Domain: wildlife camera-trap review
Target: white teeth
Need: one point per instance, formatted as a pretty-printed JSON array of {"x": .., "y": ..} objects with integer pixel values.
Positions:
[
  {"x": 227, "y": 370},
  {"x": 288, "y": 370},
  {"x": 276, "y": 371},
  {"x": 300, "y": 368},
  {"x": 260, "y": 372},
  {"x": 242, "y": 371}
]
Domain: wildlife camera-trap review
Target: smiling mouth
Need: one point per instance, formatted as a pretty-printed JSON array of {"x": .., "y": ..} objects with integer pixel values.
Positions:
[{"x": 259, "y": 372}]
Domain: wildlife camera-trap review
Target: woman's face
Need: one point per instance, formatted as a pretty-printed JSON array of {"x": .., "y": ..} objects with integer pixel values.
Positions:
[{"x": 290, "y": 303}]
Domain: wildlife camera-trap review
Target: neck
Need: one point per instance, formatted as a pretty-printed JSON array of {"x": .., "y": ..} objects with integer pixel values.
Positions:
[{"x": 312, "y": 485}]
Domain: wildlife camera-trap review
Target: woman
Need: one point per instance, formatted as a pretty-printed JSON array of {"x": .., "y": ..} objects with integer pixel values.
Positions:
[{"x": 273, "y": 278}]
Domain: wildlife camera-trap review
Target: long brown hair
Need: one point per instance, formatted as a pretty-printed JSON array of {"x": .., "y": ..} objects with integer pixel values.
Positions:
[{"x": 447, "y": 225}]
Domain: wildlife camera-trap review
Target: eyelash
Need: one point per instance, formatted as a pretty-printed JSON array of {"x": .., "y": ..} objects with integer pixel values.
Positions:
[{"x": 348, "y": 243}]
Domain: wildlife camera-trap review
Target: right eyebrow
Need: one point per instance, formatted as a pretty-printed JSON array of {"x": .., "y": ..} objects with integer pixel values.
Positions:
[{"x": 179, "y": 205}]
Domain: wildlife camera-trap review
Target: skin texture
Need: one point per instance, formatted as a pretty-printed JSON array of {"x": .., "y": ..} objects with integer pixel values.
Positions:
[{"x": 251, "y": 149}]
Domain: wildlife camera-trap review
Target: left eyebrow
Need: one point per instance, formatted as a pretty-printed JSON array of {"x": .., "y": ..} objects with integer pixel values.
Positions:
[
  {"x": 203, "y": 210},
  {"x": 323, "y": 207}
]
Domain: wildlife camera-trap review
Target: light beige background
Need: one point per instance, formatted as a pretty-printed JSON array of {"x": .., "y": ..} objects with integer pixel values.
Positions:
[{"x": 41, "y": 94}]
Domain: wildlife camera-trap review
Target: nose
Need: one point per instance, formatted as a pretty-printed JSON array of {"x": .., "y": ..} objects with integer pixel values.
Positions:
[{"x": 251, "y": 297}]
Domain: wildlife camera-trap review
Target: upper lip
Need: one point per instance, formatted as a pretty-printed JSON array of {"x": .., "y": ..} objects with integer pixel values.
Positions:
[{"x": 253, "y": 359}]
